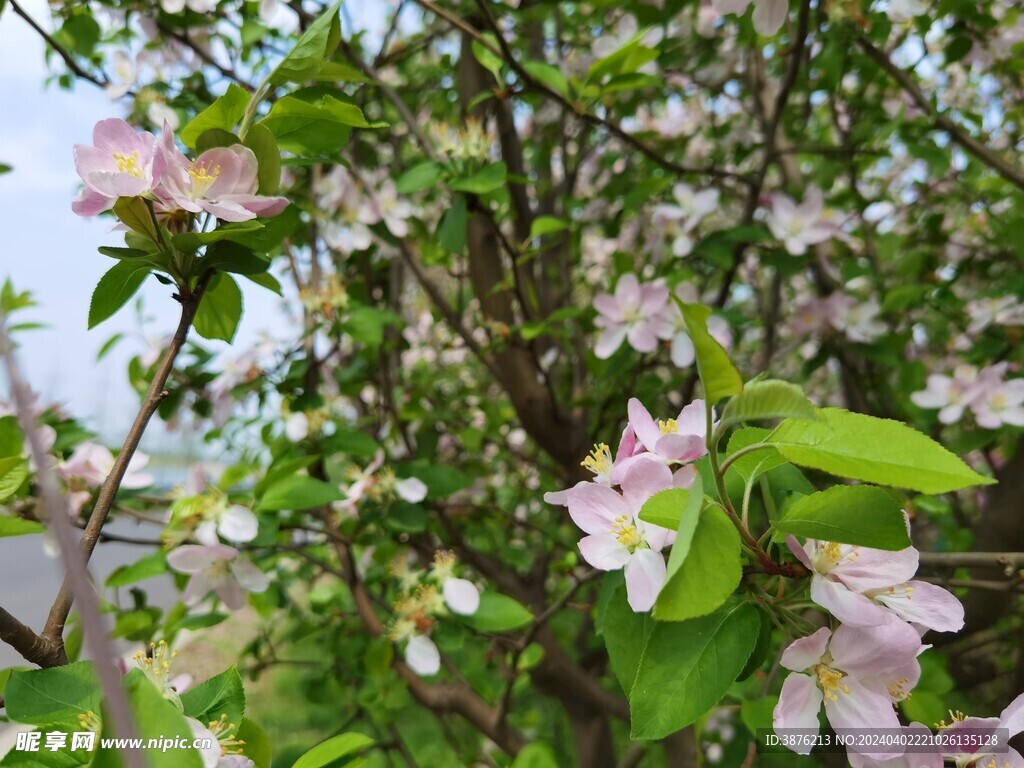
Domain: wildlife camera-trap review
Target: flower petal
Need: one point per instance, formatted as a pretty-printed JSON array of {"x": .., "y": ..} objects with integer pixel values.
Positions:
[
  {"x": 422, "y": 656},
  {"x": 595, "y": 507},
  {"x": 806, "y": 651},
  {"x": 798, "y": 707},
  {"x": 461, "y": 596},
  {"x": 645, "y": 576},
  {"x": 603, "y": 551}
]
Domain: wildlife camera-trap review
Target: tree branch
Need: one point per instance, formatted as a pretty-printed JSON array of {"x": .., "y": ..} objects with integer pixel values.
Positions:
[
  {"x": 189, "y": 300},
  {"x": 956, "y": 132},
  {"x": 58, "y": 48}
]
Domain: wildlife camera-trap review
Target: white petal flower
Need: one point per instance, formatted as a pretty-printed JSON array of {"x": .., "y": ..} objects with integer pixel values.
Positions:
[
  {"x": 411, "y": 489},
  {"x": 461, "y": 596},
  {"x": 422, "y": 656}
]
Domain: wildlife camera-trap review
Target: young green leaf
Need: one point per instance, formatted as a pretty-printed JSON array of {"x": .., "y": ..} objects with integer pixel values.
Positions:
[
  {"x": 483, "y": 181},
  {"x": 717, "y": 373},
  {"x": 298, "y": 492},
  {"x": 763, "y": 400},
  {"x": 707, "y": 571},
  {"x": 262, "y": 143},
  {"x": 687, "y": 667},
  {"x": 874, "y": 450},
  {"x": 13, "y": 472},
  {"x": 625, "y": 631},
  {"x": 848, "y": 514},
  {"x": 331, "y": 751},
  {"x": 220, "y": 311},
  {"x": 451, "y": 232},
  {"x": 665, "y": 508},
  {"x": 115, "y": 288},
  {"x": 223, "y": 114},
  {"x": 498, "y": 613},
  {"x": 222, "y": 694},
  {"x": 51, "y": 696},
  {"x": 757, "y": 462},
  {"x": 316, "y": 45},
  {"x": 422, "y": 176},
  {"x": 16, "y": 526}
]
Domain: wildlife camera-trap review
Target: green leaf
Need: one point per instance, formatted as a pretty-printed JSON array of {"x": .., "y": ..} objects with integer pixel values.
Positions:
[
  {"x": 707, "y": 572},
  {"x": 223, "y": 114},
  {"x": 134, "y": 214},
  {"x": 717, "y": 373},
  {"x": 419, "y": 177},
  {"x": 326, "y": 753},
  {"x": 123, "y": 253},
  {"x": 498, "y": 613},
  {"x": 547, "y": 225},
  {"x": 227, "y": 256},
  {"x": 874, "y": 450},
  {"x": 848, "y": 514},
  {"x": 57, "y": 695},
  {"x": 665, "y": 508},
  {"x": 625, "y": 631},
  {"x": 755, "y": 463},
  {"x": 338, "y": 72},
  {"x": 483, "y": 181},
  {"x": 298, "y": 492},
  {"x": 488, "y": 59},
  {"x": 451, "y": 232},
  {"x": 262, "y": 143},
  {"x": 147, "y": 567},
  {"x": 762, "y": 400},
  {"x": 535, "y": 755},
  {"x": 16, "y": 526},
  {"x": 13, "y": 472},
  {"x": 549, "y": 75},
  {"x": 216, "y": 137},
  {"x": 266, "y": 280},
  {"x": 115, "y": 288},
  {"x": 257, "y": 745},
  {"x": 220, "y": 695},
  {"x": 220, "y": 309},
  {"x": 314, "y": 128},
  {"x": 687, "y": 667},
  {"x": 316, "y": 45}
]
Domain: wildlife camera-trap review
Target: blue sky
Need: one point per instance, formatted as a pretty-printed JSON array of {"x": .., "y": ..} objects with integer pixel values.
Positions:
[{"x": 52, "y": 252}]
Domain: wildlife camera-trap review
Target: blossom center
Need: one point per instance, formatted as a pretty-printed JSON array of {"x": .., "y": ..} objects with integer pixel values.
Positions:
[
  {"x": 831, "y": 554},
  {"x": 599, "y": 461},
  {"x": 668, "y": 426},
  {"x": 625, "y": 531},
  {"x": 898, "y": 689},
  {"x": 831, "y": 682},
  {"x": 203, "y": 177},
  {"x": 128, "y": 164}
]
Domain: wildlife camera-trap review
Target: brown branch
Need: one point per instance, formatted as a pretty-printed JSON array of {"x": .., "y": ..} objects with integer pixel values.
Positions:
[
  {"x": 956, "y": 132},
  {"x": 32, "y": 647},
  {"x": 189, "y": 300},
  {"x": 503, "y": 50},
  {"x": 205, "y": 55},
  {"x": 1008, "y": 561},
  {"x": 58, "y": 48}
]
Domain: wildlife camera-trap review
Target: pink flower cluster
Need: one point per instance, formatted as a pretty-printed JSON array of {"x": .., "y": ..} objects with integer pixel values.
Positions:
[
  {"x": 124, "y": 163},
  {"x": 860, "y": 670},
  {"x": 652, "y": 456},
  {"x": 642, "y": 314},
  {"x": 992, "y": 399}
]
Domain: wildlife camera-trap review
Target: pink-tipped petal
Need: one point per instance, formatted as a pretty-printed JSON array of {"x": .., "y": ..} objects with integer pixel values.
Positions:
[
  {"x": 645, "y": 576},
  {"x": 798, "y": 707},
  {"x": 604, "y": 552},
  {"x": 927, "y": 604},
  {"x": 594, "y": 508},
  {"x": 807, "y": 651},
  {"x": 847, "y": 606}
]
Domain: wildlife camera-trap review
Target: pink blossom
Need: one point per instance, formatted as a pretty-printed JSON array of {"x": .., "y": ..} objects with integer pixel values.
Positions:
[
  {"x": 221, "y": 181},
  {"x": 678, "y": 221},
  {"x": 1011, "y": 718},
  {"x": 800, "y": 225},
  {"x": 617, "y": 538},
  {"x": 218, "y": 568},
  {"x": 634, "y": 314},
  {"x": 950, "y": 394},
  {"x": 90, "y": 463},
  {"x": 769, "y": 15},
  {"x": 988, "y": 311},
  {"x": 998, "y": 402},
  {"x": 119, "y": 164},
  {"x": 674, "y": 441},
  {"x": 865, "y": 587},
  {"x": 857, "y": 673}
]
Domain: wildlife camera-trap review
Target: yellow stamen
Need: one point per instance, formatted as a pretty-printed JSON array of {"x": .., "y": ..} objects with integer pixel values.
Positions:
[
  {"x": 625, "y": 531},
  {"x": 203, "y": 177},
  {"x": 831, "y": 683},
  {"x": 668, "y": 427},
  {"x": 599, "y": 460},
  {"x": 128, "y": 164},
  {"x": 954, "y": 718}
]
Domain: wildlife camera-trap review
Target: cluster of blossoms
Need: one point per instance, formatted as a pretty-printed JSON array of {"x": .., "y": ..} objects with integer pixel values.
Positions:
[
  {"x": 375, "y": 482},
  {"x": 425, "y": 598},
  {"x": 356, "y": 207},
  {"x": 858, "y": 320},
  {"x": 992, "y": 399},
  {"x": 87, "y": 468},
  {"x": 225, "y": 750},
  {"x": 643, "y": 314},
  {"x": 995, "y": 310},
  {"x": 677, "y": 221},
  {"x": 212, "y": 565},
  {"x": 860, "y": 669},
  {"x": 124, "y": 163},
  {"x": 801, "y": 225},
  {"x": 652, "y": 456}
]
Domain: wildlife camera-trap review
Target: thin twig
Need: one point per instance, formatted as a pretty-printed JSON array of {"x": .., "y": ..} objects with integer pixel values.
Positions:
[
  {"x": 189, "y": 300},
  {"x": 58, "y": 48}
]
